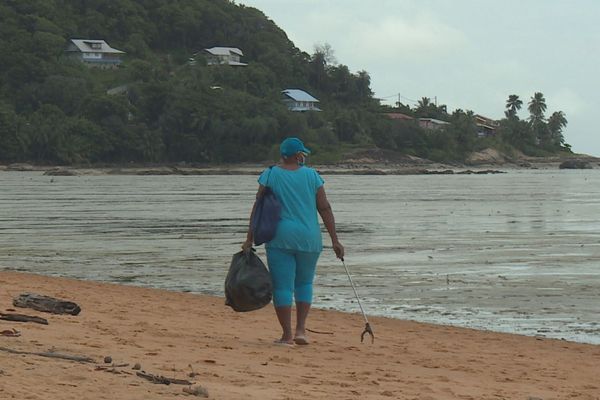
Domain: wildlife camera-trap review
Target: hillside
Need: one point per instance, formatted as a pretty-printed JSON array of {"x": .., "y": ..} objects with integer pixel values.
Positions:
[{"x": 164, "y": 103}]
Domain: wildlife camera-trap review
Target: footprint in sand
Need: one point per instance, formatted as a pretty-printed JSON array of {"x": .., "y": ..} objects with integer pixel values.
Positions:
[{"x": 281, "y": 360}]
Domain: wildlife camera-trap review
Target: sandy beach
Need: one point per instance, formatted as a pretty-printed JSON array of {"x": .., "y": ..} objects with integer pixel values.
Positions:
[{"x": 231, "y": 355}]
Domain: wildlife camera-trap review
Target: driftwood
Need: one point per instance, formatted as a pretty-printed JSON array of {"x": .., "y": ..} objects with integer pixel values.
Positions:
[
  {"x": 50, "y": 354},
  {"x": 23, "y": 318},
  {"x": 46, "y": 304},
  {"x": 162, "y": 380},
  {"x": 10, "y": 333},
  {"x": 112, "y": 370},
  {"x": 319, "y": 332}
]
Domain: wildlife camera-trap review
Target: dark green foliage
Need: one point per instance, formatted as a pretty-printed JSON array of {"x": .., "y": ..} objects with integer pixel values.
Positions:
[
  {"x": 537, "y": 136},
  {"x": 158, "y": 106},
  {"x": 165, "y": 104}
]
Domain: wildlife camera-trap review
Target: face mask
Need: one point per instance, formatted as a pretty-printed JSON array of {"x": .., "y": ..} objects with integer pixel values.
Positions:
[{"x": 301, "y": 160}]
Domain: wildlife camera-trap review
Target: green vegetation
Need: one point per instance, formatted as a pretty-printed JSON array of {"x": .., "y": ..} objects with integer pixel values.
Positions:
[
  {"x": 56, "y": 110},
  {"x": 538, "y": 136}
]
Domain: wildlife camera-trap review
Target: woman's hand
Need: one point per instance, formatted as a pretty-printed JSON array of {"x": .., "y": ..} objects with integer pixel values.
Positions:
[
  {"x": 338, "y": 249},
  {"x": 247, "y": 245}
]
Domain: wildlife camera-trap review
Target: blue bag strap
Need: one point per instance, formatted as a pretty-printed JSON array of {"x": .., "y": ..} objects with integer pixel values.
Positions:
[{"x": 268, "y": 176}]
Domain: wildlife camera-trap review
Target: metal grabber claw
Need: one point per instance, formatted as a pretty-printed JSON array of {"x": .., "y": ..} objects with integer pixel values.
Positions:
[{"x": 367, "y": 330}]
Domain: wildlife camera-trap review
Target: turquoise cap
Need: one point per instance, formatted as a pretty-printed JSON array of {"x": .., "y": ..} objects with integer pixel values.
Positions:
[{"x": 291, "y": 146}]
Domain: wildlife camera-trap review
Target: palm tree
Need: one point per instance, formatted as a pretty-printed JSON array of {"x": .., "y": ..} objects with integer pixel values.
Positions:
[
  {"x": 536, "y": 107},
  {"x": 556, "y": 123},
  {"x": 424, "y": 103},
  {"x": 513, "y": 104}
]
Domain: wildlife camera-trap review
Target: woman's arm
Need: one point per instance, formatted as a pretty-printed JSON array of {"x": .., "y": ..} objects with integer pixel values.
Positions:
[
  {"x": 249, "y": 236},
  {"x": 326, "y": 213}
]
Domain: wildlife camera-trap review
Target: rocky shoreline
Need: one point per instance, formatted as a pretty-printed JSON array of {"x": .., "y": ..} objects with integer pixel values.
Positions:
[{"x": 488, "y": 161}]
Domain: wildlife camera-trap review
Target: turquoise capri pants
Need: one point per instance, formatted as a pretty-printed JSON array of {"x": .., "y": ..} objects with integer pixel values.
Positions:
[{"x": 292, "y": 274}]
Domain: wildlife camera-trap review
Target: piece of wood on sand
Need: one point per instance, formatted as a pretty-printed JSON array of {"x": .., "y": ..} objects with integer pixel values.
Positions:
[
  {"x": 50, "y": 354},
  {"x": 23, "y": 318},
  {"x": 46, "y": 304},
  {"x": 10, "y": 333},
  {"x": 162, "y": 380}
]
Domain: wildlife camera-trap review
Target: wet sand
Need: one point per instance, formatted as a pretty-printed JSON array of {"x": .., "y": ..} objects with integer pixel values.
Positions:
[
  {"x": 174, "y": 334},
  {"x": 515, "y": 252}
]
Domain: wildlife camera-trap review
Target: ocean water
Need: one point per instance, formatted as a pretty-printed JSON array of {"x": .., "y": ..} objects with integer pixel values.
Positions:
[{"x": 517, "y": 252}]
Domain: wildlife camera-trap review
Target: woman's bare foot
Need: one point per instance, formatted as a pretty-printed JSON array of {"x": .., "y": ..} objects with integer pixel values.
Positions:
[
  {"x": 283, "y": 342},
  {"x": 301, "y": 339}
]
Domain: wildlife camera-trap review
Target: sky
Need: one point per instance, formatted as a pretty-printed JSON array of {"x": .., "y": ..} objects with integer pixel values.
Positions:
[{"x": 468, "y": 54}]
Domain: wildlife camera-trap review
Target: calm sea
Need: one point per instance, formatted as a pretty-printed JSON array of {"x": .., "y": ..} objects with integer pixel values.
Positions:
[{"x": 517, "y": 252}]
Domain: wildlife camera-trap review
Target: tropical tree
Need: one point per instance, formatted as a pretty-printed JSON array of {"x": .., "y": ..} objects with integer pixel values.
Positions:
[
  {"x": 363, "y": 85},
  {"x": 327, "y": 52},
  {"x": 463, "y": 130},
  {"x": 513, "y": 104},
  {"x": 537, "y": 107},
  {"x": 424, "y": 103},
  {"x": 556, "y": 123},
  {"x": 517, "y": 133},
  {"x": 427, "y": 109},
  {"x": 317, "y": 71}
]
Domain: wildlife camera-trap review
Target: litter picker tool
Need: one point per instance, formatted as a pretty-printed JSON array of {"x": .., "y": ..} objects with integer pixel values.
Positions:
[{"x": 367, "y": 330}]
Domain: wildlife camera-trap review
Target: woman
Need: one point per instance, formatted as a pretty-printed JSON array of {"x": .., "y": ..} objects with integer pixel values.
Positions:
[{"x": 293, "y": 253}]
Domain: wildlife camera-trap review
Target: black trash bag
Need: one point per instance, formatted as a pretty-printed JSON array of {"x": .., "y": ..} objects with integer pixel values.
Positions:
[{"x": 248, "y": 284}]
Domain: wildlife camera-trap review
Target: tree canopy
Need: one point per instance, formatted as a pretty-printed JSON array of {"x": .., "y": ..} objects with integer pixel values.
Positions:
[{"x": 165, "y": 104}]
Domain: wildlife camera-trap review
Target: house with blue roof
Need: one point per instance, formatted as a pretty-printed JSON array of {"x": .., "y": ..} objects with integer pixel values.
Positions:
[{"x": 299, "y": 100}]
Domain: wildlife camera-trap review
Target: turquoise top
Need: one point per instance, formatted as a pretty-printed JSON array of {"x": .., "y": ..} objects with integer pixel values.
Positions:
[{"x": 297, "y": 191}]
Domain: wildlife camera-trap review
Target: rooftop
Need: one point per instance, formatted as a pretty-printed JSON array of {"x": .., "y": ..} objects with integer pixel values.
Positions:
[
  {"x": 224, "y": 51},
  {"x": 298, "y": 95},
  {"x": 94, "y": 46}
]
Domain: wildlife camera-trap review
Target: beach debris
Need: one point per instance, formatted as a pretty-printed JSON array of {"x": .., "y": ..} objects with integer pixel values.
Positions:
[
  {"x": 159, "y": 379},
  {"x": 51, "y": 354},
  {"x": 120, "y": 365},
  {"x": 46, "y": 304},
  {"x": 196, "y": 391},
  {"x": 107, "y": 369},
  {"x": 10, "y": 333},
  {"x": 107, "y": 359},
  {"x": 193, "y": 373},
  {"x": 137, "y": 367},
  {"x": 23, "y": 318},
  {"x": 319, "y": 332},
  {"x": 113, "y": 369}
]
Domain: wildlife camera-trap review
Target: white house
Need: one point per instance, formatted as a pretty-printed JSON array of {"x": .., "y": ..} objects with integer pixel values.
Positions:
[
  {"x": 224, "y": 56},
  {"x": 299, "y": 100},
  {"x": 432, "y": 123},
  {"x": 94, "y": 53}
]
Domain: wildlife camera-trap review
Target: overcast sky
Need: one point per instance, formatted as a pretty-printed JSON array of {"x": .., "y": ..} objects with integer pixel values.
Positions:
[{"x": 470, "y": 54}]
